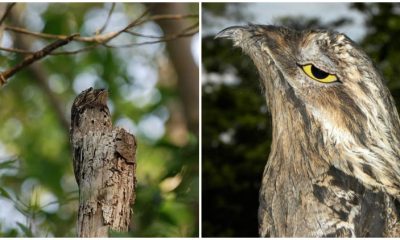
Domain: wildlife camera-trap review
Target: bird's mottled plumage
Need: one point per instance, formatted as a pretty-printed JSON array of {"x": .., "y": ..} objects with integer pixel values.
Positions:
[
  {"x": 334, "y": 165},
  {"x": 104, "y": 166},
  {"x": 89, "y": 107}
]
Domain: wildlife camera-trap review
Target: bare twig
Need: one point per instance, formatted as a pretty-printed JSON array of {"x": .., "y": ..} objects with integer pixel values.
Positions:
[
  {"x": 168, "y": 17},
  {"x": 194, "y": 26},
  {"x": 143, "y": 35},
  {"x": 39, "y": 75},
  {"x": 108, "y": 19},
  {"x": 16, "y": 50},
  {"x": 34, "y": 57},
  {"x": 35, "y": 34},
  {"x": 99, "y": 42},
  {"x": 6, "y": 12},
  {"x": 96, "y": 38},
  {"x": 103, "y": 39},
  {"x": 85, "y": 49},
  {"x": 137, "y": 20},
  {"x": 162, "y": 39},
  {"x": 185, "y": 33}
]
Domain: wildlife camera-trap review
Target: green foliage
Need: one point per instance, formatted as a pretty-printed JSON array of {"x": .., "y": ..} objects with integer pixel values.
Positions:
[
  {"x": 232, "y": 164},
  {"x": 36, "y": 176},
  {"x": 236, "y": 128},
  {"x": 383, "y": 24}
]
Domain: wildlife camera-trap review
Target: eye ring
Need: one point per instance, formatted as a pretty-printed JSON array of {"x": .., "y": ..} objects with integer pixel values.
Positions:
[{"x": 318, "y": 75}]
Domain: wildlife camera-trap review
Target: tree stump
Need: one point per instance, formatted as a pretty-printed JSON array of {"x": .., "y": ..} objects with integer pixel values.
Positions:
[{"x": 104, "y": 166}]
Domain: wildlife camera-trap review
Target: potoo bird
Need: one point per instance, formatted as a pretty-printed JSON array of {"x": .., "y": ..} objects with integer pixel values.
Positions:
[
  {"x": 89, "y": 112},
  {"x": 104, "y": 166},
  {"x": 334, "y": 165}
]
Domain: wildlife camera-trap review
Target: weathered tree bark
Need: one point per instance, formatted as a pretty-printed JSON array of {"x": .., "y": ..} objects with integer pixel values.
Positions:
[{"x": 104, "y": 165}]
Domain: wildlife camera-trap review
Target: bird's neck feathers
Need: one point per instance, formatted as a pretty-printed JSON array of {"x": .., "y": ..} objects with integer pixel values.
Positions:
[
  {"x": 361, "y": 142},
  {"x": 296, "y": 141},
  {"x": 95, "y": 119},
  {"x": 351, "y": 124}
]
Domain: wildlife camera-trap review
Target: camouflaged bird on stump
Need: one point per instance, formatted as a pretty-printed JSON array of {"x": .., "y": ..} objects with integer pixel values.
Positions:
[
  {"x": 104, "y": 165},
  {"x": 334, "y": 165}
]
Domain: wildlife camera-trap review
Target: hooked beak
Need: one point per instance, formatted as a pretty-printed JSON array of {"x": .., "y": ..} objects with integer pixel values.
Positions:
[
  {"x": 238, "y": 34},
  {"x": 230, "y": 32}
]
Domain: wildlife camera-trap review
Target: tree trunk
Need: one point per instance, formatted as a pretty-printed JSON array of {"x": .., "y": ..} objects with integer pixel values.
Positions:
[
  {"x": 182, "y": 59},
  {"x": 104, "y": 164}
]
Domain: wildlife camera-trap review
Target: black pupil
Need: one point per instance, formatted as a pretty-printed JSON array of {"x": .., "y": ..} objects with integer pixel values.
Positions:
[{"x": 318, "y": 73}]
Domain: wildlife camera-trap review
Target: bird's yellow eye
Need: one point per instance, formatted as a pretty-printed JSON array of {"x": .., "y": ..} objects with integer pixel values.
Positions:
[{"x": 318, "y": 75}]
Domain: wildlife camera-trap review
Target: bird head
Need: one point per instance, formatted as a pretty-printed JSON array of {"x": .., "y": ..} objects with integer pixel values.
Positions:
[
  {"x": 90, "y": 98},
  {"x": 325, "y": 94}
]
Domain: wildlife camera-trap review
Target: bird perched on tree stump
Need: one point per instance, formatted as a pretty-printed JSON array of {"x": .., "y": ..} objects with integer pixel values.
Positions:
[
  {"x": 104, "y": 166},
  {"x": 334, "y": 165}
]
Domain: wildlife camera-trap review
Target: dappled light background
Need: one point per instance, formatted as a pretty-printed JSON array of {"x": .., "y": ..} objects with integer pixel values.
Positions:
[
  {"x": 236, "y": 132},
  {"x": 38, "y": 192}
]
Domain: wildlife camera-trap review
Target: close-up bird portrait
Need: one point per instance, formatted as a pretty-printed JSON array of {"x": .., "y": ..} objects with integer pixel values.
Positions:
[
  {"x": 335, "y": 154},
  {"x": 332, "y": 167}
]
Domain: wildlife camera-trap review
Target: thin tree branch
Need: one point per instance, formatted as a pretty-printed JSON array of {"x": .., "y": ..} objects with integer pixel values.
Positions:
[
  {"x": 108, "y": 18},
  {"x": 163, "y": 39},
  {"x": 85, "y": 49},
  {"x": 194, "y": 26},
  {"x": 34, "y": 57},
  {"x": 96, "y": 38},
  {"x": 184, "y": 33},
  {"x": 16, "y": 50},
  {"x": 143, "y": 35},
  {"x": 137, "y": 20},
  {"x": 169, "y": 17},
  {"x": 22, "y": 51},
  {"x": 6, "y": 12},
  {"x": 102, "y": 39},
  {"x": 39, "y": 75}
]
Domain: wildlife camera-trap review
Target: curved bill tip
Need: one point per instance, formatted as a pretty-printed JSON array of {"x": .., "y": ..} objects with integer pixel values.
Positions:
[{"x": 230, "y": 32}]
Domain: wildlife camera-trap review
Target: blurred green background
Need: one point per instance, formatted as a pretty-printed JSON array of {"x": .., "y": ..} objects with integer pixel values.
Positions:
[
  {"x": 38, "y": 192},
  {"x": 236, "y": 131}
]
